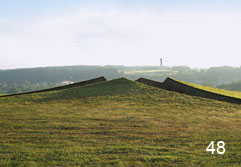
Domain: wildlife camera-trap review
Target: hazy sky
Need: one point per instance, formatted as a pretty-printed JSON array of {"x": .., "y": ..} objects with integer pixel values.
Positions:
[{"x": 196, "y": 33}]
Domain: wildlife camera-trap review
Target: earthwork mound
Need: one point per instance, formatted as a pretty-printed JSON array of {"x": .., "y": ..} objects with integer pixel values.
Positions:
[{"x": 190, "y": 89}]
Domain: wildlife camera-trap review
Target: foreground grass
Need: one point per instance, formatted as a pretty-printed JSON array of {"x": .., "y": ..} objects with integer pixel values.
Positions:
[
  {"x": 235, "y": 94},
  {"x": 117, "y": 123}
]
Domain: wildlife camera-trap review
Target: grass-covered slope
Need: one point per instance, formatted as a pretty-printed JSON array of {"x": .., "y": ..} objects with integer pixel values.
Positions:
[
  {"x": 117, "y": 123},
  {"x": 229, "y": 93}
]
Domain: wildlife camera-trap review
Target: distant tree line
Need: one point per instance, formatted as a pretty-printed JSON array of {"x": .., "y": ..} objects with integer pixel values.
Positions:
[
  {"x": 56, "y": 74},
  {"x": 30, "y": 79},
  {"x": 25, "y": 86}
]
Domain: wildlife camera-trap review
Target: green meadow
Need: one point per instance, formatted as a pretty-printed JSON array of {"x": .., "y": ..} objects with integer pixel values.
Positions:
[{"x": 117, "y": 123}]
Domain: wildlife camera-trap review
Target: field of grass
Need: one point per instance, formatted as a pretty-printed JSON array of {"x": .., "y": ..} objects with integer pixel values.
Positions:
[
  {"x": 235, "y": 94},
  {"x": 117, "y": 123}
]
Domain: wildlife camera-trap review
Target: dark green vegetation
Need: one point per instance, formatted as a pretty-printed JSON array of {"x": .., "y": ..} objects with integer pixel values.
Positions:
[
  {"x": 117, "y": 123},
  {"x": 236, "y": 86},
  {"x": 25, "y": 80}
]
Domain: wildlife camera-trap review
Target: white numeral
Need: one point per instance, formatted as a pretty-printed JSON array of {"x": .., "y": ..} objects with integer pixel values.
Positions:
[
  {"x": 220, "y": 145},
  {"x": 212, "y": 147}
]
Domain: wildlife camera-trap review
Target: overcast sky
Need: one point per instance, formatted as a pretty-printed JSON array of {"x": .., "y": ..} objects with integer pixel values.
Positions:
[{"x": 200, "y": 33}]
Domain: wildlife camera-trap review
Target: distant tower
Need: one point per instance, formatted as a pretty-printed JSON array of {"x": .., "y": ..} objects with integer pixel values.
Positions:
[{"x": 160, "y": 61}]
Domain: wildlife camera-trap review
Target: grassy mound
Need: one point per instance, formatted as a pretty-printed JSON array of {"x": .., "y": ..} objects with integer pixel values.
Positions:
[{"x": 117, "y": 123}]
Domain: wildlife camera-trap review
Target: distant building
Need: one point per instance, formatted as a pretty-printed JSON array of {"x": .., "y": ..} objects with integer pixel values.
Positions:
[
  {"x": 160, "y": 61},
  {"x": 64, "y": 83}
]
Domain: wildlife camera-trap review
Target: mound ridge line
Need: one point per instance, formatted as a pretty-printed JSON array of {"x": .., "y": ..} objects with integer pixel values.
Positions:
[
  {"x": 173, "y": 85},
  {"x": 77, "y": 84}
]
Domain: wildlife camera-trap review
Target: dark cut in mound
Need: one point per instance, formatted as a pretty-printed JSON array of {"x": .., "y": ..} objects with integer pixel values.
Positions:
[
  {"x": 180, "y": 87},
  {"x": 151, "y": 82},
  {"x": 77, "y": 84}
]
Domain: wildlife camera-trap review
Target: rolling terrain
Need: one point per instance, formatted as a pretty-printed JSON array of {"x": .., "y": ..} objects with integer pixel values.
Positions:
[
  {"x": 15, "y": 81},
  {"x": 117, "y": 123},
  {"x": 195, "y": 90}
]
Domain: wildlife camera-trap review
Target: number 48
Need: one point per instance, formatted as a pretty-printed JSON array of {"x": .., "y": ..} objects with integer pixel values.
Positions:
[{"x": 220, "y": 145}]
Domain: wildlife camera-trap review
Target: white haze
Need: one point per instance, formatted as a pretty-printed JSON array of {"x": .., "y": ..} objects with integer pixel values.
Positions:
[{"x": 122, "y": 37}]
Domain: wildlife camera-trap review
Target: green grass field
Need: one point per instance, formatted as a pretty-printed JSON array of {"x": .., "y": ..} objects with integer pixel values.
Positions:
[
  {"x": 117, "y": 123},
  {"x": 235, "y": 94}
]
